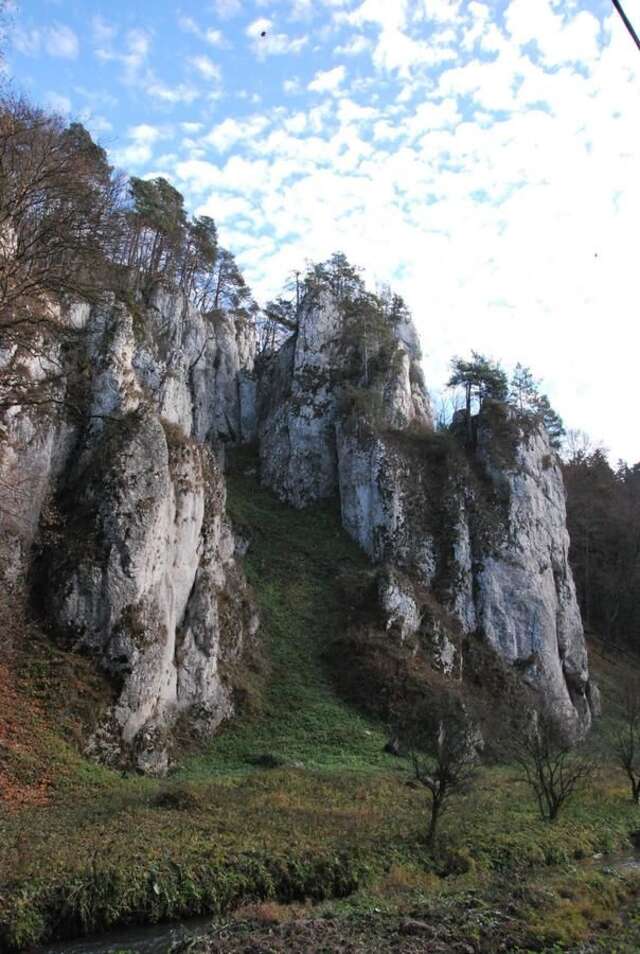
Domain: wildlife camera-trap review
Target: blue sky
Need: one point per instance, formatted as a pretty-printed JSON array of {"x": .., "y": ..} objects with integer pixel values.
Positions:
[{"x": 484, "y": 158}]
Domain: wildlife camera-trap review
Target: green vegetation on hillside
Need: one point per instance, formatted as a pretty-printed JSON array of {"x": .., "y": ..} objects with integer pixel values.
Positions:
[
  {"x": 332, "y": 817},
  {"x": 295, "y": 563}
]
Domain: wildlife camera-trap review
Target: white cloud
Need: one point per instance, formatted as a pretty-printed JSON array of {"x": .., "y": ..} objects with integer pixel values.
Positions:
[
  {"x": 27, "y": 42},
  {"x": 102, "y": 31},
  {"x": 58, "y": 40},
  {"x": 136, "y": 72},
  {"x": 145, "y": 133},
  {"x": 206, "y": 67},
  {"x": 231, "y": 131},
  {"x": 442, "y": 11},
  {"x": 210, "y": 36},
  {"x": 227, "y": 8},
  {"x": 215, "y": 38},
  {"x": 396, "y": 50},
  {"x": 292, "y": 86},
  {"x": 388, "y": 16},
  {"x": 180, "y": 93},
  {"x": 139, "y": 149},
  {"x": 328, "y": 81},
  {"x": 189, "y": 25},
  {"x": 61, "y": 41},
  {"x": 97, "y": 124},
  {"x": 356, "y": 45},
  {"x": 385, "y": 130},
  {"x": 137, "y": 45},
  {"x": 58, "y": 103},
  {"x": 272, "y": 43},
  {"x": 559, "y": 41}
]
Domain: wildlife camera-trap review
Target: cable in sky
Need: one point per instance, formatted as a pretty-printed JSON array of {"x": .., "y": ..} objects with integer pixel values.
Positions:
[{"x": 627, "y": 22}]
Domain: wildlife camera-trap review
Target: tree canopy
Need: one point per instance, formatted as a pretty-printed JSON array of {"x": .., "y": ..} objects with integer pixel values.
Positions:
[
  {"x": 481, "y": 378},
  {"x": 528, "y": 400},
  {"x": 603, "y": 518}
]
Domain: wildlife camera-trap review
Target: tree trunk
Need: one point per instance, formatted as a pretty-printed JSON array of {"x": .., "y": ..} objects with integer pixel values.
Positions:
[{"x": 432, "y": 831}]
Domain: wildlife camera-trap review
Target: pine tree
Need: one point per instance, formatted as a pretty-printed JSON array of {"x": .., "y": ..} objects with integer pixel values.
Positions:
[
  {"x": 551, "y": 421},
  {"x": 481, "y": 379},
  {"x": 523, "y": 389},
  {"x": 525, "y": 396}
]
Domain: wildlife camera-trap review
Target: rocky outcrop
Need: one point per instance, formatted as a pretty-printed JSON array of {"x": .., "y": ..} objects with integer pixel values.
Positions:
[
  {"x": 196, "y": 370},
  {"x": 304, "y": 388},
  {"x": 526, "y": 602},
  {"x": 140, "y": 569},
  {"x": 145, "y": 579},
  {"x": 35, "y": 442},
  {"x": 486, "y": 534},
  {"x": 481, "y": 528}
]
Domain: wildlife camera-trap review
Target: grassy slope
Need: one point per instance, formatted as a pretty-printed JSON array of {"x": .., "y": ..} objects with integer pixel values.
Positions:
[
  {"x": 293, "y": 563},
  {"x": 104, "y": 849}
]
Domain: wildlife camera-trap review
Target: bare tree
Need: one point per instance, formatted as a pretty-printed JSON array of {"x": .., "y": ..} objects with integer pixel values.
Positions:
[
  {"x": 446, "y": 405},
  {"x": 58, "y": 232},
  {"x": 626, "y": 745},
  {"x": 576, "y": 445},
  {"x": 57, "y": 198},
  {"x": 551, "y": 765},
  {"x": 443, "y": 748}
]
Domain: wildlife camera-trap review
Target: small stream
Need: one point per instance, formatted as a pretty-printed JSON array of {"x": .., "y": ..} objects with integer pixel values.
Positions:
[
  {"x": 158, "y": 938},
  {"x": 621, "y": 861},
  {"x": 151, "y": 939}
]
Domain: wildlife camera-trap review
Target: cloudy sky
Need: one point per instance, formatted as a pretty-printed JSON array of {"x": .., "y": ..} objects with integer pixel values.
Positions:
[{"x": 483, "y": 157}]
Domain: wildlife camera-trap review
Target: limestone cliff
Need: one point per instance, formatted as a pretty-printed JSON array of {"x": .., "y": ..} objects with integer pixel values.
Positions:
[
  {"x": 481, "y": 528},
  {"x": 126, "y": 498},
  {"x": 304, "y": 388},
  {"x": 138, "y": 566}
]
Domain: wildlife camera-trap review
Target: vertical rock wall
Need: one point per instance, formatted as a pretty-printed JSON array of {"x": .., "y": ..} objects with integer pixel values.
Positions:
[
  {"x": 142, "y": 572},
  {"x": 483, "y": 530}
]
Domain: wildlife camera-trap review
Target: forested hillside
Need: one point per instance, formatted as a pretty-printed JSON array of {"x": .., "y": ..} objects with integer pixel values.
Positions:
[{"x": 603, "y": 517}]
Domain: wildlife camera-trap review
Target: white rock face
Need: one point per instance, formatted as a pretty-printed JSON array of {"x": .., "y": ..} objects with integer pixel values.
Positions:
[
  {"x": 145, "y": 564},
  {"x": 35, "y": 443},
  {"x": 299, "y": 399},
  {"x": 198, "y": 370},
  {"x": 526, "y": 602},
  {"x": 143, "y": 574},
  {"x": 486, "y": 536},
  {"x": 498, "y": 561},
  {"x": 400, "y": 606},
  {"x": 303, "y": 389}
]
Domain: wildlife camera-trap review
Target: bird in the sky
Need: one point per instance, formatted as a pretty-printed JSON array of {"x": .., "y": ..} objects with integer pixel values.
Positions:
[{"x": 264, "y": 33}]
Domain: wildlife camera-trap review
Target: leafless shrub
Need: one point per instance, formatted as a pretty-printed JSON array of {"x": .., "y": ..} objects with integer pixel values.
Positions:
[
  {"x": 626, "y": 746},
  {"x": 551, "y": 765},
  {"x": 443, "y": 747}
]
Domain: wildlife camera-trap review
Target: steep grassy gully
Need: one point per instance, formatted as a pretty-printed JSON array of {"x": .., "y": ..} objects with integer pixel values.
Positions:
[{"x": 295, "y": 806}]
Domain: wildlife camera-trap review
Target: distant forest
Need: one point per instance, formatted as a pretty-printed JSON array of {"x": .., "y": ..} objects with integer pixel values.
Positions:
[{"x": 603, "y": 518}]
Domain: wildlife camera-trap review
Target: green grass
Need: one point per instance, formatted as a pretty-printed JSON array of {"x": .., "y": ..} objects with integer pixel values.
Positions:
[
  {"x": 331, "y": 816},
  {"x": 293, "y": 564}
]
